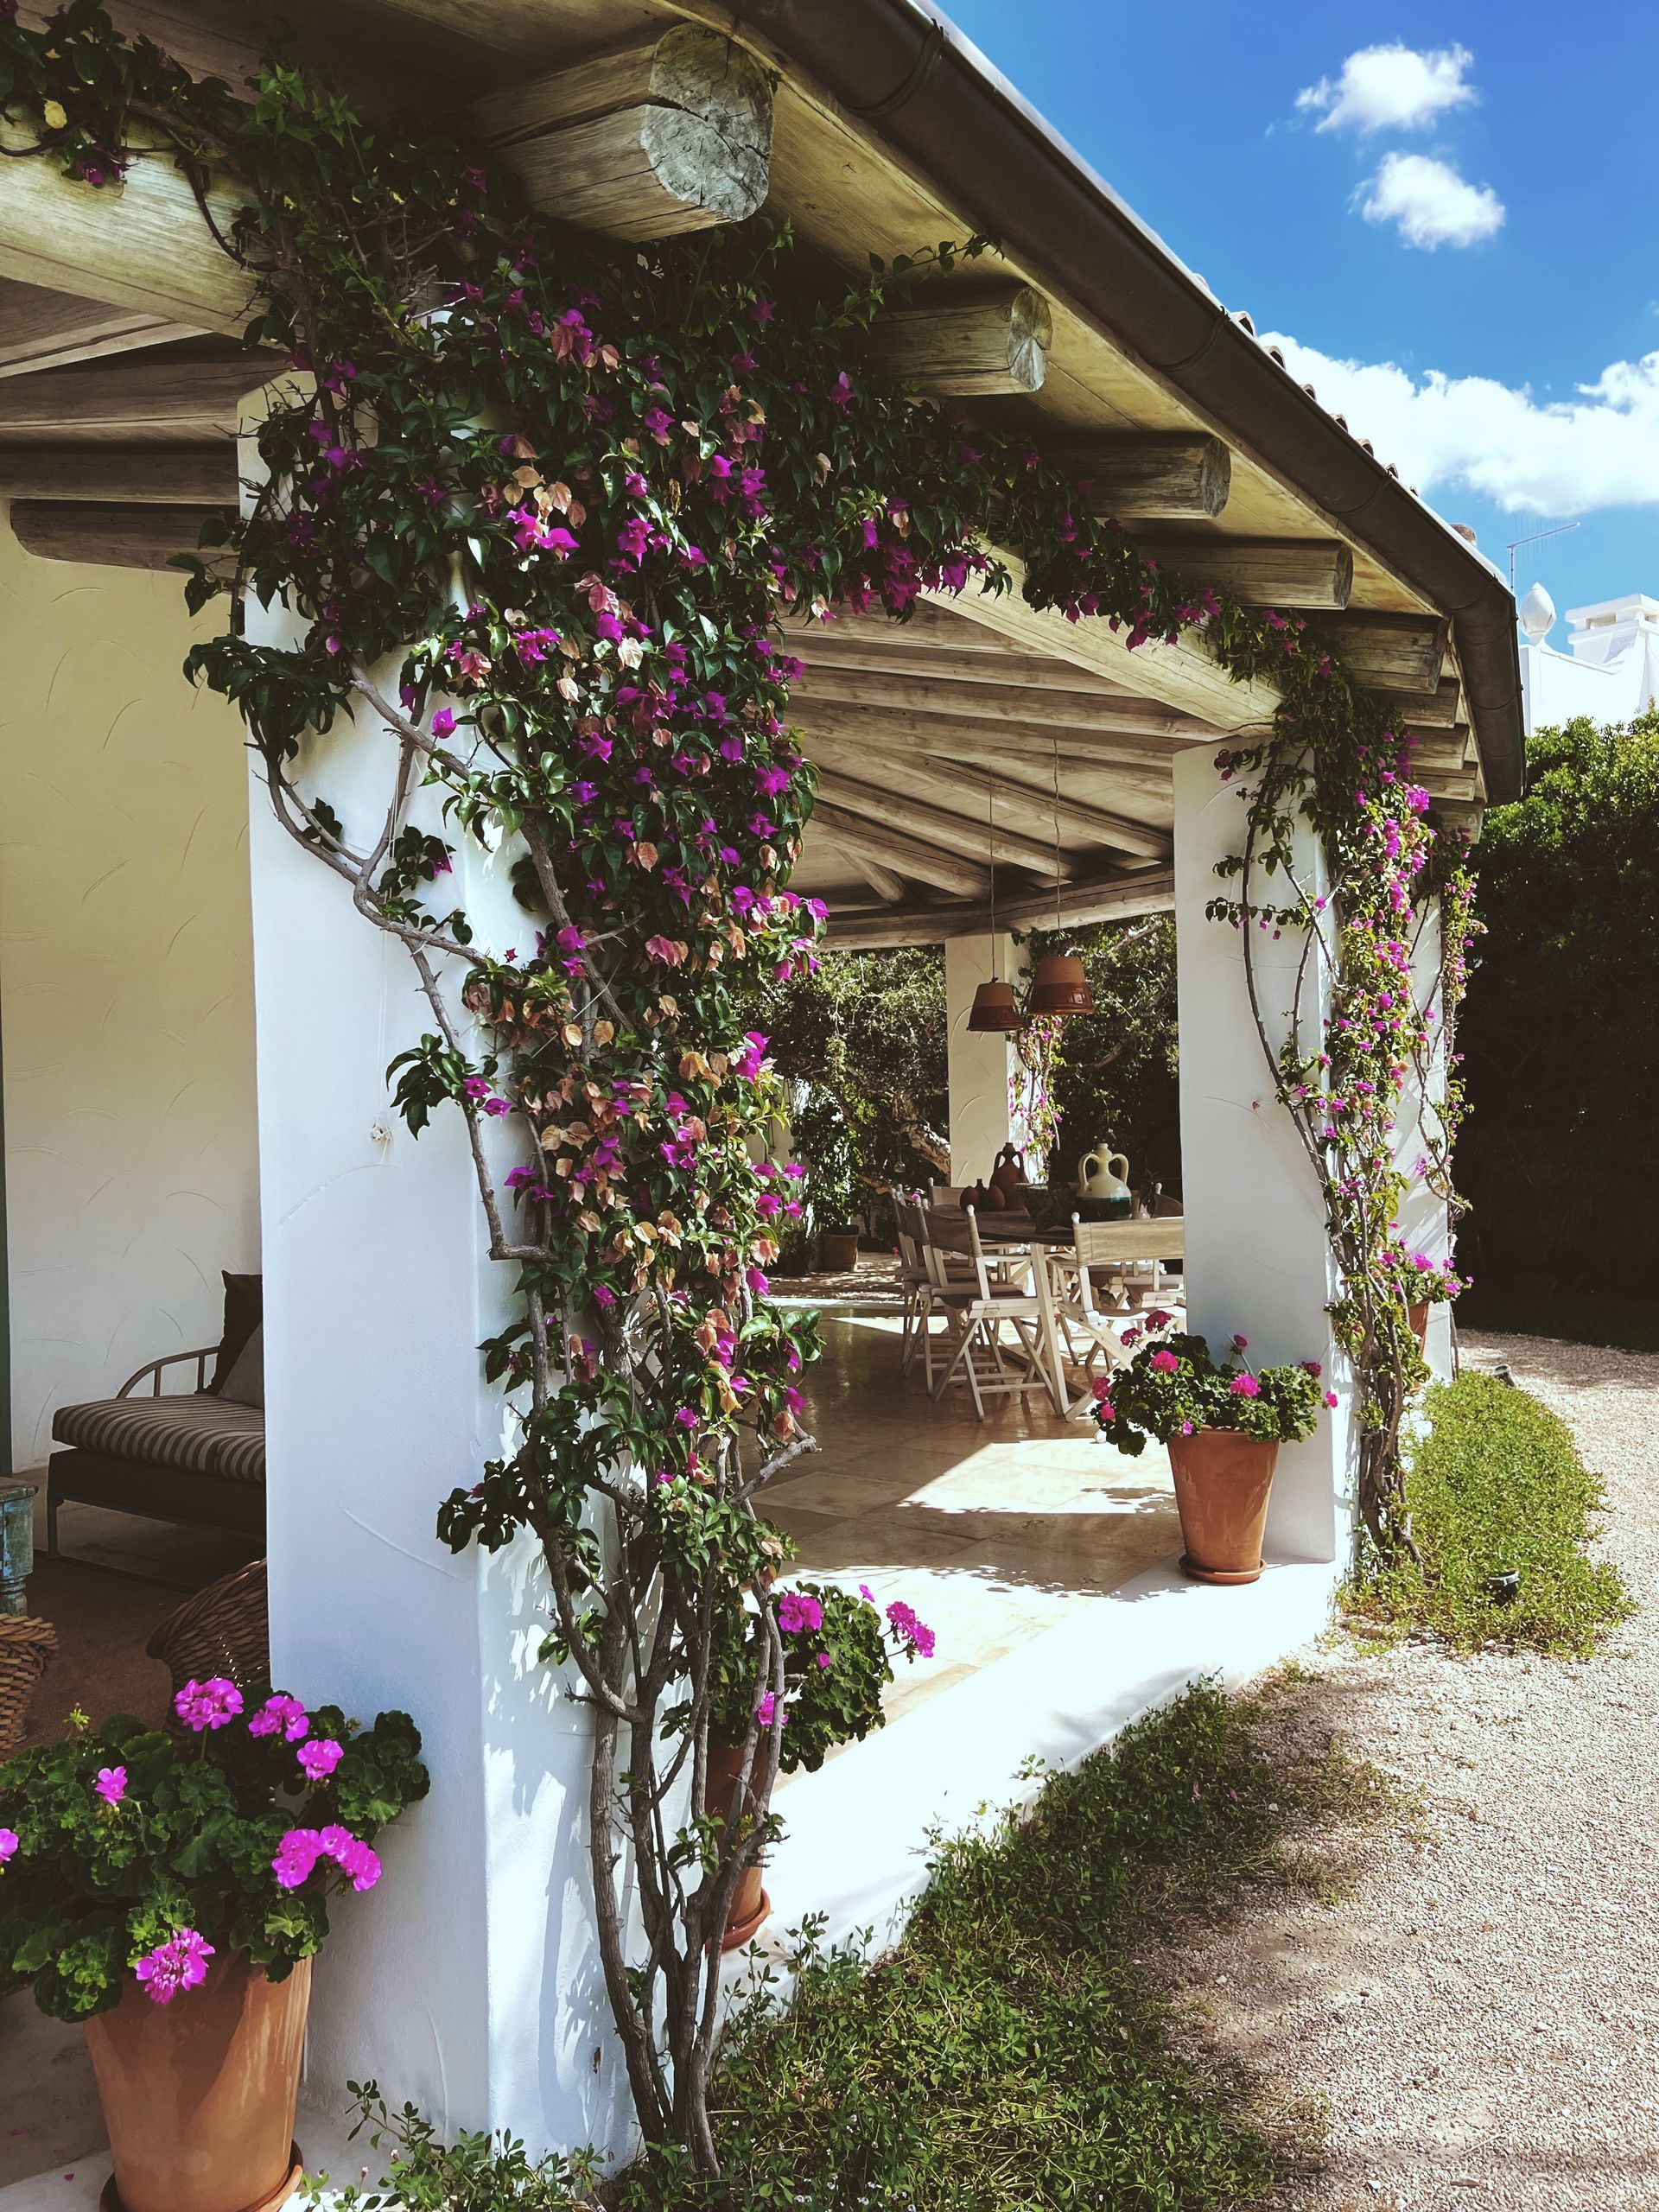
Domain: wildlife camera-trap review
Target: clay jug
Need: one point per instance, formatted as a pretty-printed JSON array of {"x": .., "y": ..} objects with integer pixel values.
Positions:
[{"x": 1009, "y": 1174}]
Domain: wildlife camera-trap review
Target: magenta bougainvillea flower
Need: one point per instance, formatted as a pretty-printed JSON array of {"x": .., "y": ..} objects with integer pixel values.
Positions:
[{"x": 179, "y": 1963}]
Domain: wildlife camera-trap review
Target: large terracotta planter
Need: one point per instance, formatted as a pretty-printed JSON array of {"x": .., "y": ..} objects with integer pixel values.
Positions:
[
  {"x": 199, "y": 2095},
  {"x": 1417, "y": 1315},
  {"x": 838, "y": 1251},
  {"x": 1222, "y": 1481},
  {"x": 750, "y": 1905}
]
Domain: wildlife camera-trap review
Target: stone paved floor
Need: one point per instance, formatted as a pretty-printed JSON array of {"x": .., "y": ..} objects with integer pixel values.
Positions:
[{"x": 993, "y": 1531}]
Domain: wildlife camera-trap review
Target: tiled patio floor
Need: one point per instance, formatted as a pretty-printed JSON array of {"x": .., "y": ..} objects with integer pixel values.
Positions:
[{"x": 993, "y": 1531}]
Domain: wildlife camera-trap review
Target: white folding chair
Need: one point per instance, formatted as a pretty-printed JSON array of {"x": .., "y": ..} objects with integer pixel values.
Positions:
[
  {"x": 977, "y": 1306},
  {"x": 915, "y": 1279},
  {"x": 1093, "y": 1304}
]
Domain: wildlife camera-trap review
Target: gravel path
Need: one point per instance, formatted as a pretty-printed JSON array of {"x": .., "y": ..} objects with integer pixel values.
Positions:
[{"x": 1479, "y": 2010}]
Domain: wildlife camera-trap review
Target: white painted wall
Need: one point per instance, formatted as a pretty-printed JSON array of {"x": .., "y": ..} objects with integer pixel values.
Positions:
[
  {"x": 1257, "y": 1258},
  {"x": 1424, "y": 1225},
  {"x": 125, "y": 986}
]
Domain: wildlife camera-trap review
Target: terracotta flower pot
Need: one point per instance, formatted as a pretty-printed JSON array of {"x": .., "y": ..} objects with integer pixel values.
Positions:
[
  {"x": 840, "y": 1251},
  {"x": 199, "y": 2095},
  {"x": 1222, "y": 1481},
  {"x": 750, "y": 1905},
  {"x": 1417, "y": 1315}
]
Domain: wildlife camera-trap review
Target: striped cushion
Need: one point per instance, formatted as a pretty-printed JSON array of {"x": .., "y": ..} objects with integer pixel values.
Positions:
[{"x": 199, "y": 1434}]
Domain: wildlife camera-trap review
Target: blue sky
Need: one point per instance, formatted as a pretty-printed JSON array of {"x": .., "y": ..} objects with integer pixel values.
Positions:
[{"x": 1467, "y": 220}]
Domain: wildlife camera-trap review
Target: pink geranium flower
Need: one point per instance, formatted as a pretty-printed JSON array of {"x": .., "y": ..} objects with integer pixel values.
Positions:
[
  {"x": 1165, "y": 1362},
  {"x": 179, "y": 1963},
  {"x": 111, "y": 1785},
  {"x": 1245, "y": 1386},
  {"x": 320, "y": 1757},
  {"x": 212, "y": 1704}
]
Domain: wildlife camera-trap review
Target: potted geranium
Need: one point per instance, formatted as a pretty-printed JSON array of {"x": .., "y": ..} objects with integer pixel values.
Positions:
[
  {"x": 1223, "y": 1425},
  {"x": 838, "y": 1653},
  {"x": 169, "y": 1891},
  {"x": 1422, "y": 1283}
]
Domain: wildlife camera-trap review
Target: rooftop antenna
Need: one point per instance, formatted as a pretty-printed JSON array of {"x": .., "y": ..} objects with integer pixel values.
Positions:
[{"x": 1556, "y": 530}]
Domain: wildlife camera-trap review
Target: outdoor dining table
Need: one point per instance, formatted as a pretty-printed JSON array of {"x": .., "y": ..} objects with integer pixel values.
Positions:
[{"x": 1052, "y": 1252}]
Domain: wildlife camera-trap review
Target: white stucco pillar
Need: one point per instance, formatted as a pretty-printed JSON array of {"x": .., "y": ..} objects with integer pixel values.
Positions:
[
  {"x": 1257, "y": 1258},
  {"x": 468, "y": 1981},
  {"x": 982, "y": 1066},
  {"x": 1424, "y": 1225}
]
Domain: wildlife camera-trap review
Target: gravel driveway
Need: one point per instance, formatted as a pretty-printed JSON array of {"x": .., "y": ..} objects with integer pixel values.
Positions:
[{"x": 1479, "y": 2010}]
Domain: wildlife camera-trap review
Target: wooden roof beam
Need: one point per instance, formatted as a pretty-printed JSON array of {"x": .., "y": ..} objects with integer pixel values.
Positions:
[
  {"x": 666, "y": 135},
  {"x": 1390, "y": 652},
  {"x": 930, "y": 780},
  {"x": 969, "y": 348},
  {"x": 140, "y": 244},
  {"x": 1002, "y": 743},
  {"x": 892, "y": 848},
  {"x": 1184, "y": 675},
  {"x": 42, "y": 329},
  {"x": 1102, "y": 899},
  {"x": 162, "y": 395},
  {"x": 184, "y": 475},
  {"x": 107, "y": 537},
  {"x": 1000, "y": 703},
  {"x": 1298, "y": 572},
  {"x": 941, "y": 823},
  {"x": 1136, "y": 475}
]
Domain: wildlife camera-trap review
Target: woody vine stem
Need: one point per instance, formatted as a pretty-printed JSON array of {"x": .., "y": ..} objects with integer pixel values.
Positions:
[{"x": 533, "y": 513}]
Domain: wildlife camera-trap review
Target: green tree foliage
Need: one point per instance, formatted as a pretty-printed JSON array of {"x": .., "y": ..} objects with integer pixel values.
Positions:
[
  {"x": 864, "y": 1035},
  {"x": 1118, "y": 1081},
  {"x": 1562, "y": 1024}
]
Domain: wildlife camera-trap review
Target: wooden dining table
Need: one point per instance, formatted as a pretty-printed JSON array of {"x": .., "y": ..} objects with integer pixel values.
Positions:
[{"x": 1009, "y": 1235}]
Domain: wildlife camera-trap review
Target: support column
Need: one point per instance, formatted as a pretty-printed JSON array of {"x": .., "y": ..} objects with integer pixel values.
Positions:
[
  {"x": 468, "y": 1981},
  {"x": 1257, "y": 1258},
  {"x": 1424, "y": 1224},
  {"x": 982, "y": 1066}
]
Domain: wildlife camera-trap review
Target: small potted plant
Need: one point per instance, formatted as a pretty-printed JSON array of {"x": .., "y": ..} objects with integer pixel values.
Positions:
[
  {"x": 1224, "y": 1426},
  {"x": 169, "y": 1891},
  {"x": 838, "y": 1654},
  {"x": 1422, "y": 1283}
]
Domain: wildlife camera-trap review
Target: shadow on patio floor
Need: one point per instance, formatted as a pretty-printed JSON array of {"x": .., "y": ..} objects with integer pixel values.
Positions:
[{"x": 994, "y": 1531}]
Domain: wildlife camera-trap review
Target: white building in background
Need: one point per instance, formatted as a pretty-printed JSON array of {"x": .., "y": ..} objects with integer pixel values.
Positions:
[{"x": 1609, "y": 671}]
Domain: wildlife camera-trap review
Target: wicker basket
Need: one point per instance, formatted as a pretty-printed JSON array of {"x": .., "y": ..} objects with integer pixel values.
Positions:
[
  {"x": 223, "y": 1630},
  {"x": 26, "y": 1651}
]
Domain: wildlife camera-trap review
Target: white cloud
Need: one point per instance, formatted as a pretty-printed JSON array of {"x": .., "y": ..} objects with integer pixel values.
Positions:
[
  {"x": 1390, "y": 88},
  {"x": 1598, "y": 449},
  {"x": 1429, "y": 202}
]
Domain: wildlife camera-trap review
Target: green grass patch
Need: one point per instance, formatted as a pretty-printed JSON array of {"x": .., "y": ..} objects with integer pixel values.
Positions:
[
  {"x": 1016, "y": 2050},
  {"x": 1496, "y": 1488},
  {"x": 1626, "y": 1324}
]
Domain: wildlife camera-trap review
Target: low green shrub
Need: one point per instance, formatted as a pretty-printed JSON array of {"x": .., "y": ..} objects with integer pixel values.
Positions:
[
  {"x": 1014, "y": 2051},
  {"x": 1502, "y": 1510},
  {"x": 475, "y": 2173}
]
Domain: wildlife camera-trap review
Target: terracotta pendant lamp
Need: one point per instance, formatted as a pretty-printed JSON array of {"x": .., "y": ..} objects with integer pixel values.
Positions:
[
  {"x": 1060, "y": 986},
  {"x": 994, "y": 1008}
]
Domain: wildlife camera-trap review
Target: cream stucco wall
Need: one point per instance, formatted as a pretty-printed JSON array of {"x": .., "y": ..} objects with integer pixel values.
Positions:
[{"x": 126, "y": 1007}]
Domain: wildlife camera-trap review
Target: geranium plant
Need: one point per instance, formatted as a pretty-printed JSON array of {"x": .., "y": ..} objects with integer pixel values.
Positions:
[
  {"x": 1174, "y": 1387},
  {"x": 838, "y": 1655},
  {"x": 129, "y": 1856}
]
